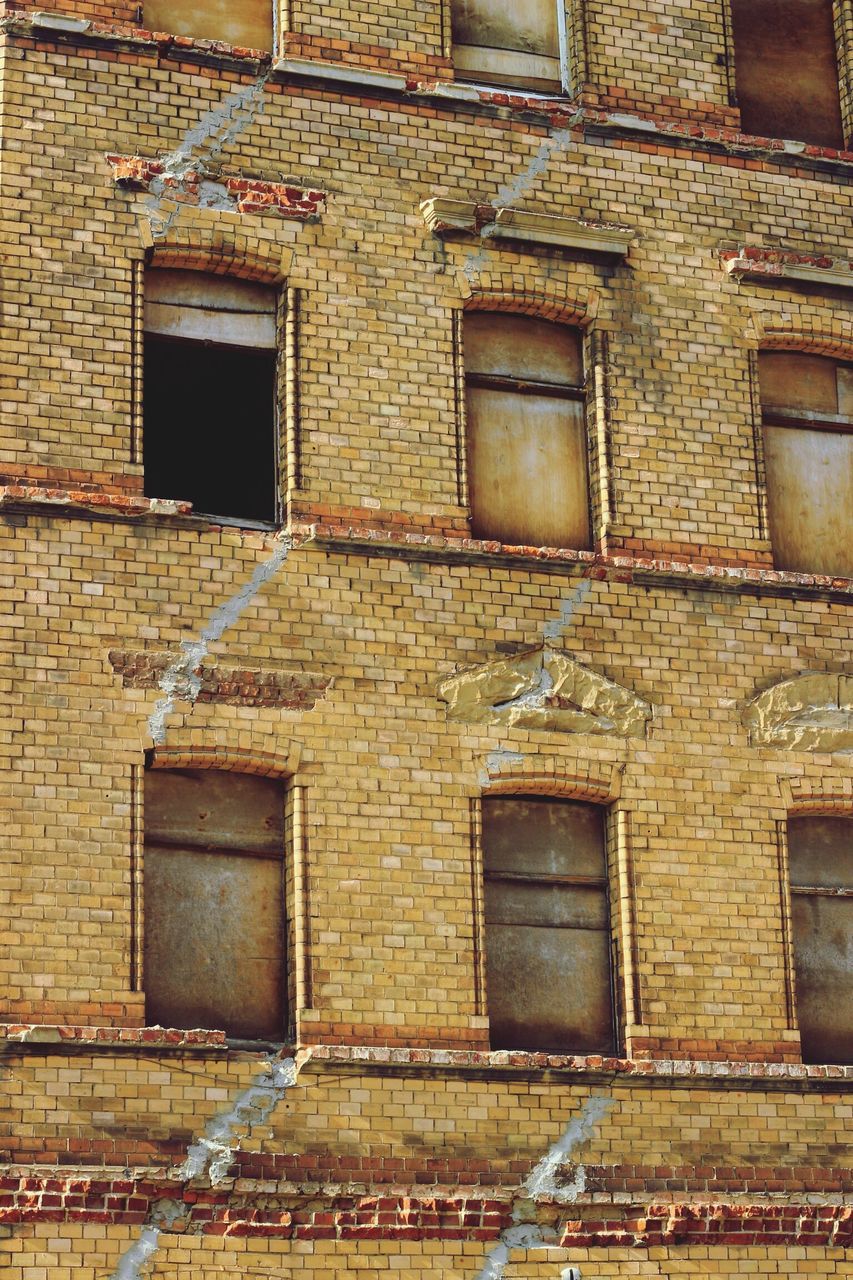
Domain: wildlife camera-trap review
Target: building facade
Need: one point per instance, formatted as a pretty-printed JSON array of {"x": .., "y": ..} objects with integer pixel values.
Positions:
[{"x": 426, "y": 499}]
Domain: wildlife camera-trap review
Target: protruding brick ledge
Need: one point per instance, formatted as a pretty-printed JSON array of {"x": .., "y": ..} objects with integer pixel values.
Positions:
[
  {"x": 39, "y": 497},
  {"x": 262, "y": 1211},
  {"x": 379, "y": 1060},
  {"x": 768, "y": 266},
  {"x": 643, "y": 570}
]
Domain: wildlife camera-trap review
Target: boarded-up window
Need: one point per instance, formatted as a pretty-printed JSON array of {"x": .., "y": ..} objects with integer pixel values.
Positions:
[
  {"x": 821, "y": 868},
  {"x": 527, "y": 450},
  {"x": 807, "y": 409},
  {"x": 547, "y": 926},
  {"x": 246, "y": 23},
  {"x": 209, "y": 394},
  {"x": 786, "y": 70},
  {"x": 504, "y": 42},
  {"x": 214, "y": 902}
]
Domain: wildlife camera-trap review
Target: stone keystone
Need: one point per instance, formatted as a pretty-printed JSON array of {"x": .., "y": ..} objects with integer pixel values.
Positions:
[{"x": 544, "y": 688}]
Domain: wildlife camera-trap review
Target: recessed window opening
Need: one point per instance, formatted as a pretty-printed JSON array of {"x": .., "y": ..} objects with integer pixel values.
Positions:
[
  {"x": 807, "y": 415},
  {"x": 209, "y": 409},
  {"x": 504, "y": 42},
  {"x": 820, "y": 856},
  {"x": 246, "y": 23},
  {"x": 547, "y": 926},
  {"x": 213, "y": 902},
  {"x": 527, "y": 443},
  {"x": 786, "y": 70}
]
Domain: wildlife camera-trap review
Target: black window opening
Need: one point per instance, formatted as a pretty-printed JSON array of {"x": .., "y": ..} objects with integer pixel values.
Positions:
[{"x": 209, "y": 402}]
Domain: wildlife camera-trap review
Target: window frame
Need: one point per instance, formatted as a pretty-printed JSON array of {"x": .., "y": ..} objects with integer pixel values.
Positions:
[
  {"x": 284, "y": 355},
  {"x": 578, "y": 393},
  {"x": 483, "y": 876},
  {"x": 519, "y": 83}
]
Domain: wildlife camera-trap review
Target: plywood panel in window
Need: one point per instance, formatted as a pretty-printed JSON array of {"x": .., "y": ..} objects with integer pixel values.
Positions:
[
  {"x": 214, "y": 809},
  {"x": 246, "y": 23},
  {"x": 548, "y": 989},
  {"x": 810, "y": 499},
  {"x": 203, "y": 307},
  {"x": 794, "y": 381},
  {"x": 530, "y": 27},
  {"x": 823, "y": 959},
  {"x": 522, "y": 347},
  {"x": 820, "y": 851},
  {"x": 786, "y": 69},
  {"x": 528, "y": 469},
  {"x": 214, "y": 942},
  {"x": 541, "y": 836}
]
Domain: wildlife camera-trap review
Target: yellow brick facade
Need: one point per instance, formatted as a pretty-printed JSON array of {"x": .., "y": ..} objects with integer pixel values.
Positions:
[{"x": 384, "y": 1134}]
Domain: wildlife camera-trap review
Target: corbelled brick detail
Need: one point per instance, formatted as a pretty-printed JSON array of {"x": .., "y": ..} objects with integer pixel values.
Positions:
[
  {"x": 290, "y": 690},
  {"x": 247, "y": 195}
]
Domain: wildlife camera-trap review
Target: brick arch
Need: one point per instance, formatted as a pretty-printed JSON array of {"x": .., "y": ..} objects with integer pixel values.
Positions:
[
  {"x": 221, "y": 254},
  {"x": 272, "y": 764},
  {"x": 835, "y": 341},
  {"x": 528, "y": 295},
  {"x": 536, "y": 775}
]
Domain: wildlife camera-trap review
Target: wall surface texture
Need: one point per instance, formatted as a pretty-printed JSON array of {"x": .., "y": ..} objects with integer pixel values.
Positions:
[{"x": 393, "y": 670}]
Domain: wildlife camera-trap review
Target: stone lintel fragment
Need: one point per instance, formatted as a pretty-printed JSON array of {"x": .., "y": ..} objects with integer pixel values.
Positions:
[
  {"x": 446, "y": 216},
  {"x": 769, "y": 266},
  {"x": 546, "y": 689},
  {"x": 340, "y": 73},
  {"x": 812, "y": 712},
  {"x": 60, "y": 22}
]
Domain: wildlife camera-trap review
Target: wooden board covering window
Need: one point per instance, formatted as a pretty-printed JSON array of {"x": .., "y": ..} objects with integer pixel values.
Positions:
[
  {"x": 786, "y": 70},
  {"x": 527, "y": 445},
  {"x": 214, "y": 902},
  {"x": 548, "y": 969},
  {"x": 209, "y": 394},
  {"x": 503, "y": 42},
  {"x": 245, "y": 23},
  {"x": 807, "y": 408},
  {"x": 820, "y": 851}
]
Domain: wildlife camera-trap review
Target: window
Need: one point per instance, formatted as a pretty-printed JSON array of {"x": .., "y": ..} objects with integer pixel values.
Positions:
[
  {"x": 547, "y": 926},
  {"x": 807, "y": 411},
  {"x": 504, "y": 42},
  {"x": 786, "y": 70},
  {"x": 820, "y": 854},
  {"x": 246, "y": 23},
  {"x": 210, "y": 394},
  {"x": 527, "y": 451},
  {"x": 213, "y": 902}
]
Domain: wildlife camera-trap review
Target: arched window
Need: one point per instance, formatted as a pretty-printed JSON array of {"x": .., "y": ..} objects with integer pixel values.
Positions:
[
  {"x": 209, "y": 411},
  {"x": 547, "y": 925},
  {"x": 820, "y": 859},
  {"x": 245, "y": 23},
  {"x": 213, "y": 902},
  {"x": 786, "y": 70},
  {"x": 807, "y": 412},
  {"x": 527, "y": 445}
]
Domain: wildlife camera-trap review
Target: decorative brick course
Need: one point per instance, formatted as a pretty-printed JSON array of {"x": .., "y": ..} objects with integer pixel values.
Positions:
[{"x": 290, "y": 690}]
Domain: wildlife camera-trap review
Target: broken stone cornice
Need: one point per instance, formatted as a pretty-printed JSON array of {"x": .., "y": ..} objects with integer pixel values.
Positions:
[
  {"x": 338, "y": 73},
  {"x": 811, "y": 712},
  {"x": 769, "y": 266},
  {"x": 447, "y": 216},
  {"x": 544, "y": 689}
]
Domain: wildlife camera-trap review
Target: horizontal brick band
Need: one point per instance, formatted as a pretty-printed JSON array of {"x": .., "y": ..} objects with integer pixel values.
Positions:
[
  {"x": 246, "y": 195},
  {"x": 290, "y": 690}
]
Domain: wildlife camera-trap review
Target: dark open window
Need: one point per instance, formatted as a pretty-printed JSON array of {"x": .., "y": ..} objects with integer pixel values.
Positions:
[
  {"x": 786, "y": 70},
  {"x": 820, "y": 851},
  {"x": 246, "y": 23},
  {"x": 210, "y": 394},
  {"x": 213, "y": 900},
  {"x": 504, "y": 42},
  {"x": 548, "y": 970},
  {"x": 807, "y": 410},
  {"x": 527, "y": 449}
]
